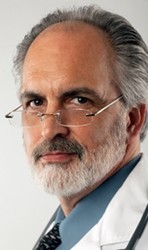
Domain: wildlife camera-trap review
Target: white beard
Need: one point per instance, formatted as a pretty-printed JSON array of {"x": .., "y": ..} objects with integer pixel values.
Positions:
[{"x": 68, "y": 180}]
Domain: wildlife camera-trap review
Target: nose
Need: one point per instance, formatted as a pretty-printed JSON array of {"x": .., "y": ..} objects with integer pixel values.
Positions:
[{"x": 50, "y": 128}]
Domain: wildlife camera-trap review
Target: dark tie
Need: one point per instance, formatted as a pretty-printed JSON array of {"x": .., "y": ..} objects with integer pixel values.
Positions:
[{"x": 51, "y": 240}]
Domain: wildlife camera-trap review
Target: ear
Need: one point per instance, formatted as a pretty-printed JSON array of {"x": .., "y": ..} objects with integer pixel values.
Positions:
[{"x": 135, "y": 120}]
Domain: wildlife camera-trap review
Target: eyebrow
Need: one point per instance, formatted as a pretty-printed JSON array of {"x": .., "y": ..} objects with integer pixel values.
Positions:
[
  {"x": 84, "y": 90},
  {"x": 67, "y": 94},
  {"x": 30, "y": 95}
]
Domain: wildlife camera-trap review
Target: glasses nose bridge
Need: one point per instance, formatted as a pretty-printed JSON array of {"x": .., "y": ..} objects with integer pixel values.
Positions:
[{"x": 56, "y": 115}]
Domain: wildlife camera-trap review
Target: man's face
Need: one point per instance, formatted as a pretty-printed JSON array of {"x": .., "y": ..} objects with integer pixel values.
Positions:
[{"x": 72, "y": 70}]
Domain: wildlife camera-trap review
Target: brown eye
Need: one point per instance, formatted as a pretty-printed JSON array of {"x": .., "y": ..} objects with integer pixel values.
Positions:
[
  {"x": 80, "y": 100},
  {"x": 36, "y": 102}
]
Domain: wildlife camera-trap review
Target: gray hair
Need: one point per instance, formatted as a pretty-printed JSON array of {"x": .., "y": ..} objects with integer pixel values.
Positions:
[{"x": 131, "y": 66}]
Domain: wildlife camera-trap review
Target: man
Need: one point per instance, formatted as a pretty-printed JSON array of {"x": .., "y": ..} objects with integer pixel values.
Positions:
[{"x": 83, "y": 77}]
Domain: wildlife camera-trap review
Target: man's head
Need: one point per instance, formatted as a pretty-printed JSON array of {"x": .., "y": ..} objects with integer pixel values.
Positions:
[{"x": 82, "y": 60}]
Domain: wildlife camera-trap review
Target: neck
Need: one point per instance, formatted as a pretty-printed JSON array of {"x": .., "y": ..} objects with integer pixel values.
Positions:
[{"x": 68, "y": 203}]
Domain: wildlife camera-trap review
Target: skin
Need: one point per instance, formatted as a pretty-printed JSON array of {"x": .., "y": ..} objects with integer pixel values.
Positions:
[{"x": 63, "y": 59}]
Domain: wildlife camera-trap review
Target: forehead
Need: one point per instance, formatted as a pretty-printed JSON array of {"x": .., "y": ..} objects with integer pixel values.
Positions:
[{"x": 69, "y": 53}]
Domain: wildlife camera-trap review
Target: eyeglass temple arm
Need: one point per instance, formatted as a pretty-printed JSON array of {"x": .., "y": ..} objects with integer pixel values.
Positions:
[
  {"x": 101, "y": 110},
  {"x": 9, "y": 114}
]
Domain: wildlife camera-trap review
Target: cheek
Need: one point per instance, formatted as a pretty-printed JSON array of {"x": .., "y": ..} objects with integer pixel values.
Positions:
[
  {"x": 89, "y": 136},
  {"x": 94, "y": 135},
  {"x": 31, "y": 138}
]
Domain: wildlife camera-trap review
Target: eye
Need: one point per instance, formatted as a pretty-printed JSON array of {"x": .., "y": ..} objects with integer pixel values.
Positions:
[
  {"x": 34, "y": 103},
  {"x": 80, "y": 100}
]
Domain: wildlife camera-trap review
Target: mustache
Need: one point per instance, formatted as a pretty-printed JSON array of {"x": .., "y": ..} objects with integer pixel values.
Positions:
[{"x": 57, "y": 144}]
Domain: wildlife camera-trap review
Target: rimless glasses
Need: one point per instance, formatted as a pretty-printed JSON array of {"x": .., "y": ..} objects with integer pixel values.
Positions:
[{"x": 67, "y": 117}]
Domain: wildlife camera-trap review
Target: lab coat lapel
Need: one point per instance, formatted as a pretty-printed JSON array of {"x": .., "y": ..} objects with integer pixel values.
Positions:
[{"x": 116, "y": 227}]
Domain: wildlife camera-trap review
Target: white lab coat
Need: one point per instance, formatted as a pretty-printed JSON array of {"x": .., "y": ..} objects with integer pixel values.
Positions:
[{"x": 122, "y": 215}]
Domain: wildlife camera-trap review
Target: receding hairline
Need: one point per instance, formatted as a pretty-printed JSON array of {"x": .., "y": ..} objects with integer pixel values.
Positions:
[
  {"x": 68, "y": 26},
  {"x": 79, "y": 27},
  {"x": 72, "y": 26}
]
